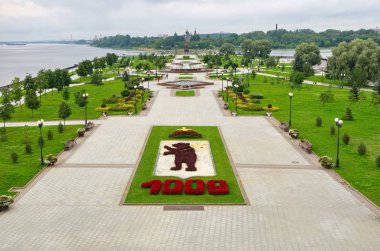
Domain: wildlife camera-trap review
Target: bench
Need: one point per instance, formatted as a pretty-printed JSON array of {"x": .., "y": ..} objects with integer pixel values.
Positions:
[
  {"x": 90, "y": 125},
  {"x": 69, "y": 144},
  {"x": 284, "y": 127},
  {"x": 306, "y": 145}
]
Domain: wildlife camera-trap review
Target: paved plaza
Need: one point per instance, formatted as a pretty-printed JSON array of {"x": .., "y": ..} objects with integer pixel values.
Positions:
[{"x": 293, "y": 204}]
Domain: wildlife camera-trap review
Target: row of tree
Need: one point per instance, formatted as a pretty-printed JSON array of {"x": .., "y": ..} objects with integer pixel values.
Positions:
[
  {"x": 279, "y": 38},
  {"x": 87, "y": 67}
]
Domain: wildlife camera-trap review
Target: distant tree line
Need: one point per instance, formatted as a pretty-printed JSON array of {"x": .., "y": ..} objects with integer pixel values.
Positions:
[{"x": 279, "y": 39}]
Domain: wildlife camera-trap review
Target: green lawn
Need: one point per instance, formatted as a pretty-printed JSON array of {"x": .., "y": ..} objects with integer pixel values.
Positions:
[
  {"x": 28, "y": 165},
  {"x": 323, "y": 79},
  {"x": 144, "y": 172},
  {"x": 360, "y": 171},
  {"x": 185, "y": 77},
  {"x": 51, "y": 102},
  {"x": 190, "y": 93}
]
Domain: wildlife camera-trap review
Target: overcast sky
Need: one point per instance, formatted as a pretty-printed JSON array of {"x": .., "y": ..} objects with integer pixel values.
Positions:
[{"x": 58, "y": 19}]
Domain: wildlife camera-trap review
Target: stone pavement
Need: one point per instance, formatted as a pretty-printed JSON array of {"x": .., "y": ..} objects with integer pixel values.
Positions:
[{"x": 293, "y": 204}]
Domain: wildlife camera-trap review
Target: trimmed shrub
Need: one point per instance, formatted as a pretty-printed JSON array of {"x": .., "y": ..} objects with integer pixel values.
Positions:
[
  {"x": 326, "y": 161},
  {"x": 318, "y": 121},
  {"x": 50, "y": 134},
  {"x": 28, "y": 148},
  {"x": 332, "y": 130},
  {"x": 378, "y": 161},
  {"x": 125, "y": 93},
  {"x": 246, "y": 91},
  {"x": 257, "y": 95},
  {"x": 3, "y": 137},
  {"x": 348, "y": 115},
  {"x": 60, "y": 128},
  {"x": 346, "y": 138},
  {"x": 41, "y": 141},
  {"x": 362, "y": 149},
  {"x": 51, "y": 159},
  {"x": 14, "y": 157}
]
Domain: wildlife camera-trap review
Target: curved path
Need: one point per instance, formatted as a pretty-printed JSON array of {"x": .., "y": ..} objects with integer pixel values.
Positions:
[{"x": 293, "y": 203}]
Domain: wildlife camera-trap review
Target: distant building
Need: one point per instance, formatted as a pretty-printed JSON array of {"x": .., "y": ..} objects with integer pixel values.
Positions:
[{"x": 377, "y": 29}]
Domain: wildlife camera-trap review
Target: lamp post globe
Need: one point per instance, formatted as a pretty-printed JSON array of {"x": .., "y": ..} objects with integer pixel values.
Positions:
[
  {"x": 290, "y": 108},
  {"x": 40, "y": 123}
]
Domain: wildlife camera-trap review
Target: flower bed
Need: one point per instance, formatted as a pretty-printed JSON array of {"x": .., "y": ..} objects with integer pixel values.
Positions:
[
  {"x": 185, "y": 133},
  {"x": 154, "y": 185},
  {"x": 217, "y": 187},
  {"x": 199, "y": 187},
  {"x": 172, "y": 187}
]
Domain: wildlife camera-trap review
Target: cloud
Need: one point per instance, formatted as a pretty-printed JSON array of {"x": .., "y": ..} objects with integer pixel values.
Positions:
[{"x": 47, "y": 19}]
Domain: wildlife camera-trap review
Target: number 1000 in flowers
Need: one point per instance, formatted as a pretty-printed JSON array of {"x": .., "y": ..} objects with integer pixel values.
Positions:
[{"x": 192, "y": 187}]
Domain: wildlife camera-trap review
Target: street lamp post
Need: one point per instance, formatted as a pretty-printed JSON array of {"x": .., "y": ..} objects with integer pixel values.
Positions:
[
  {"x": 222, "y": 80},
  {"x": 236, "y": 97},
  {"x": 227, "y": 88},
  {"x": 217, "y": 74},
  {"x": 343, "y": 75},
  {"x": 40, "y": 124},
  {"x": 338, "y": 123},
  {"x": 290, "y": 110},
  {"x": 85, "y": 96},
  {"x": 143, "y": 91},
  {"x": 248, "y": 75},
  {"x": 135, "y": 99}
]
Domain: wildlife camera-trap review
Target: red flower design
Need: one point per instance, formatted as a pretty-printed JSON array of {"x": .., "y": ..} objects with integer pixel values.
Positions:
[
  {"x": 199, "y": 188},
  {"x": 217, "y": 187},
  {"x": 155, "y": 186},
  {"x": 176, "y": 189}
]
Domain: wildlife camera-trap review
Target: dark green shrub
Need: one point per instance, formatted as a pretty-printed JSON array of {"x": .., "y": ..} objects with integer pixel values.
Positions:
[
  {"x": 256, "y": 95},
  {"x": 348, "y": 115},
  {"x": 362, "y": 149},
  {"x": 246, "y": 91},
  {"x": 50, "y": 134},
  {"x": 332, "y": 130},
  {"x": 3, "y": 137},
  {"x": 60, "y": 128},
  {"x": 265, "y": 80},
  {"x": 41, "y": 141},
  {"x": 28, "y": 148},
  {"x": 378, "y": 161},
  {"x": 14, "y": 157},
  {"x": 346, "y": 138},
  {"x": 125, "y": 93},
  {"x": 318, "y": 121}
]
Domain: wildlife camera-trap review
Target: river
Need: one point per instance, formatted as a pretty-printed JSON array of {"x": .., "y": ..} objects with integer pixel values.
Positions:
[{"x": 17, "y": 60}]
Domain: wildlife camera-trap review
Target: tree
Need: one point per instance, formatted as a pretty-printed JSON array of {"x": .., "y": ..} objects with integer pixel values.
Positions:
[
  {"x": 326, "y": 96},
  {"x": 358, "y": 77},
  {"x": 6, "y": 107},
  {"x": 306, "y": 55},
  {"x": 111, "y": 58},
  {"x": 262, "y": 48},
  {"x": 17, "y": 91},
  {"x": 78, "y": 97},
  {"x": 85, "y": 68},
  {"x": 96, "y": 78},
  {"x": 359, "y": 54},
  {"x": 31, "y": 101},
  {"x": 29, "y": 82},
  {"x": 41, "y": 82},
  {"x": 227, "y": 49},
  {"x": 354, "y": 94},
  {"x": 64, "y": 111},
  {"x": 296, "y": 78},
  {"x": 66, "y": 94},
  {"x": 271, "y": 62}
]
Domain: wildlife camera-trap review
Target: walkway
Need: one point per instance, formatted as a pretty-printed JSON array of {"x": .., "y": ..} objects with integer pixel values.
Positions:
[{"x": 293, "y": 203}]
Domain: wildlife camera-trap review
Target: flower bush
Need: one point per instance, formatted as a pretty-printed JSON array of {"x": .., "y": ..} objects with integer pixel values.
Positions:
[
  {"x": 185, "y": 133},
  {"x": 217, "y": 187},
  {"x": 199, "y": 187},
  {"x": 154, "y": 185},
  {"x": 5, "y": 201},
  {"x": 326, "y": 161},
  {"x": 176, "y": 189},
  {"x": 51, "y": 159},
  {"x": 81, "y": 132}
]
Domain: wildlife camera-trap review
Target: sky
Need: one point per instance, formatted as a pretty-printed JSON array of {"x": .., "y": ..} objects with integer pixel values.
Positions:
[{"x": 83, "y": 19}]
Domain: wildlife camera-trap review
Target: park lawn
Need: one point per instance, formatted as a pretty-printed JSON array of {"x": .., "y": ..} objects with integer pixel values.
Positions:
[
  {"x": 360, "y": 171},
  {"x": 190, "y": 93},
  {"x": 50, "y": 103},
  {"x": 185, "y": 77},
  {"x": 28, "y": 165},
  {"x": 144, "y": 172},
  {"x": 276, "y": 73},
  {"x": 323, "y": 79}
]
